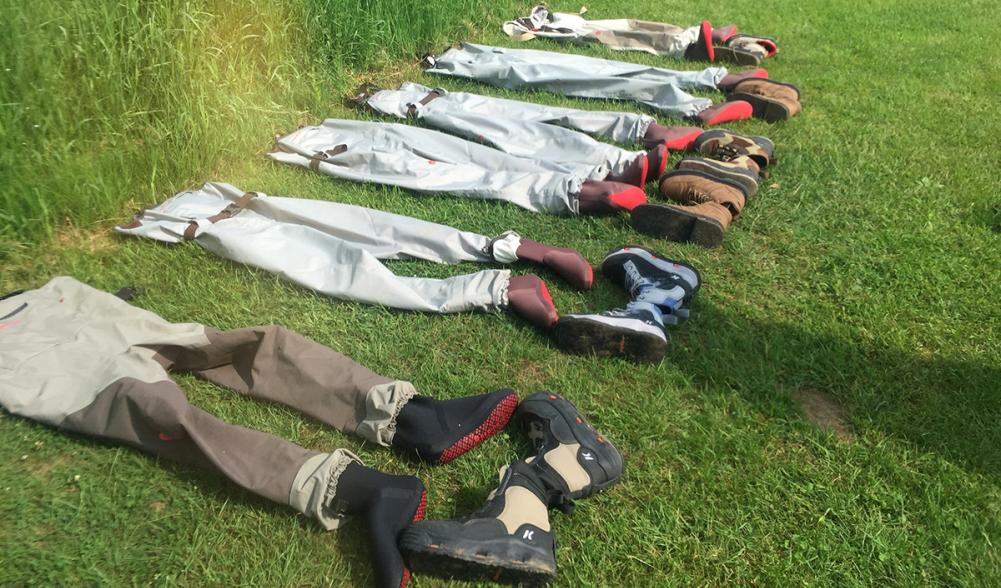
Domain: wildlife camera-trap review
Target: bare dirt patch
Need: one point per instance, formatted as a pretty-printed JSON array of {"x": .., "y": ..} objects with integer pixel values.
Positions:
[{"x": 824, "y": 411}]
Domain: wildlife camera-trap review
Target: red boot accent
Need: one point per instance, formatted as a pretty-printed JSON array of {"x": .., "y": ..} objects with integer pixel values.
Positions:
[
  {"x": 418, "y": 517},
  {"x": 723, "y": 33},
  {"x": 497, "y": 420},
  {"x": 727, "y": 112},
  {"x": 646, "y": 170},
  {"x": 529, "y": 298},
  {"x": 628, "y": 199},
  {"x": 707, "y": 37}
]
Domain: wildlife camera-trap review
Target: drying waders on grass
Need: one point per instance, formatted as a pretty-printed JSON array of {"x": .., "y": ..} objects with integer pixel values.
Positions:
[
  {"x": 580, "y": 76},
  {"x": 430, "y": 162},
  {"x": 620, "y": 34},
  {"x": 88, "y": 362},
  {"x": 333, "y": 248},
  {"x": 519, "y": 128}
]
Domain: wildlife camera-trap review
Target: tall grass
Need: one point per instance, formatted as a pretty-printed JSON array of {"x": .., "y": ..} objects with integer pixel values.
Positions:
[{"x": 106, "y": 101}]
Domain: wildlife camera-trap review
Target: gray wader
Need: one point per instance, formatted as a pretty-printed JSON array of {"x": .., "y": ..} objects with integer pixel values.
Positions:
[
  {"x": 426, "y": 161},
  {"x": 85, "y": 361},
  {"x": 516, "y": 128},
  {"x": 334, "y": 249},
  {"x": 584, "y": 77},
  {"x": 621, "y": 34}
]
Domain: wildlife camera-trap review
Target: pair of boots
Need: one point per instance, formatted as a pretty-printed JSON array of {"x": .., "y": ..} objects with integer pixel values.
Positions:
[
  {"x": 432, "y": 431},
  {"x": 725, "y": 45},
  {"x": 659, "y": 290},
  {"x": 510, "y": 538},
  {"x": 709, "y": 191}
]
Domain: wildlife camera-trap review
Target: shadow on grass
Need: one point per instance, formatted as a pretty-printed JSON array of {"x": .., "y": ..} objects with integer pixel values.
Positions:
[{"x": 949, "y": 406}]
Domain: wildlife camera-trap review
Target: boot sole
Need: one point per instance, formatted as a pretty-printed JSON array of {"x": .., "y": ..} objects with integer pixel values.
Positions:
[
  {"x": 675, "y": 224},
  {"x": 581, "y": 336},
  {"x": 510, "y": 566},
  {"x": 764, "y": 108},
  {"x": 568, "y": 426}
]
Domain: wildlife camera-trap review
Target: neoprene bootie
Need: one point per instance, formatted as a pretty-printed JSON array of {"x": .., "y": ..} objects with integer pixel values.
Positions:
[
  {"x": 731, "y": 80},
  {"x": 438, "y": 431},
  {"x": 389, "y": 504},
  {"x": 566, "y": 262},
  {"x": 529, "y": 298},
  {"x": 702, "y": 49},
  {"x": 509, "y": 539},
  {"x": 602, "y": 197},
  {"x": 649, "y": 277},
  {"x": 674, "y": 138},
  {"x": 634, "y": 174},
  {"x": 729, "y": 111}
]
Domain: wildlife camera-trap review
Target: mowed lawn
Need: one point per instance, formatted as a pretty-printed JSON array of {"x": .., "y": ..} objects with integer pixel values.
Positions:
[{"x": 828, "y": 416}]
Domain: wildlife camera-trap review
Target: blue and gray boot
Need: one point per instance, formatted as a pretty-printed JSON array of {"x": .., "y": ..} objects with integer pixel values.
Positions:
[
  {"x": 635, "y": 332},
  {"x": 651, "y": 279}
]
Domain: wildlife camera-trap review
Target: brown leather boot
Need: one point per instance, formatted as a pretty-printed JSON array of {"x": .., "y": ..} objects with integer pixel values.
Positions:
[
  {"x": 726, "y": 145},
  {"x": 740, "y": 170},
  {"x": 772, "y": 101},
  {"x": 703, "y": 224},
  {"x": 696, "y": 187},
  {"x": 674, "y": 138}
]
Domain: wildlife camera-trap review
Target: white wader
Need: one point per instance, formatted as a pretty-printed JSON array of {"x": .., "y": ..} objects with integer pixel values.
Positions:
[
  {"x": 620, "y": 34},
  {"x": 334, "y": 249},
  {"x": 510, "y": 126},
  {"x": 585, "y": 77},
  {"x": 430, "y": 162}
]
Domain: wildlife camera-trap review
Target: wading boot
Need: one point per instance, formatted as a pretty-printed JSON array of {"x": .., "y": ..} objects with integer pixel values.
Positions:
[
  {"x": 389, "y": 504},
  {"x": 508, "y": 540},
  {"x": 635, "y": 332},
  {"x": 772, "y": 101},
  {"x": 703, "y": 224},
  {"x": 438, "y": 431},
  {"x": 571, "y": 453},
  {"x": 651, "y": 278},
  {"x": 726, "y": 145},
  {"x": 740, "y": 170},
  {"x": 760, "y": 46}
]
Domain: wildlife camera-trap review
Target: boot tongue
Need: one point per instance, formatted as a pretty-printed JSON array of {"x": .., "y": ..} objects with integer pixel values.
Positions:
[{"x": 644, "y": 289}]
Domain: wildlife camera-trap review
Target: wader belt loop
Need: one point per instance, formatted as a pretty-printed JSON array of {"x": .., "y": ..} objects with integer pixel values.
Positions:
[
  {"x": 412, "y": 108},
  {"x": 314, "y": 161},
  {"x": 233, "y": 208}
]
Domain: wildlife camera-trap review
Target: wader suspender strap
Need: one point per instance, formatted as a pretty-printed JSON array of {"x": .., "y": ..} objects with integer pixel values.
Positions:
[
  {"x": 412, "y": 108},
  {"x": 233, "y": 208},
  {"x": 314, "y": 161}
]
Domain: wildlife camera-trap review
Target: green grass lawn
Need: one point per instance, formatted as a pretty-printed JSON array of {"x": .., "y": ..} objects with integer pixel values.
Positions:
[{"x": 829, "y": 415}]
